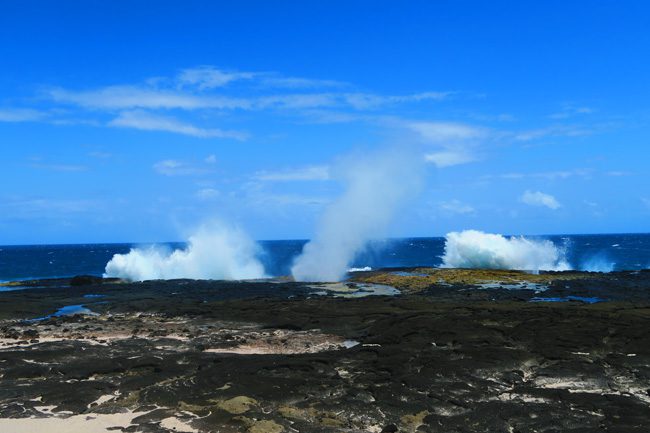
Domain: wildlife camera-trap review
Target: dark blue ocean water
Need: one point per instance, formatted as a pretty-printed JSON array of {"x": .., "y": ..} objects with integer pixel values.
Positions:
[{"x": 585, "y": 252}]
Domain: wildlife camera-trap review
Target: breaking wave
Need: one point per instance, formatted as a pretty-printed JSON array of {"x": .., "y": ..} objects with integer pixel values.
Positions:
[
  {"x": 216, "y": 251},
  {"x": 476, "y": 249}
]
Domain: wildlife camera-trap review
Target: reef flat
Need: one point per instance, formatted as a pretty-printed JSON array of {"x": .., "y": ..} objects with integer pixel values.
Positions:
[{"x": 408, "y": 350}]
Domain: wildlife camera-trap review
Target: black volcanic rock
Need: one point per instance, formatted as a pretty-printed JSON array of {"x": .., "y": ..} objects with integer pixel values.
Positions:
[
  {"x": 271, "y": 356},
  {"x": 85, "y": 280}
]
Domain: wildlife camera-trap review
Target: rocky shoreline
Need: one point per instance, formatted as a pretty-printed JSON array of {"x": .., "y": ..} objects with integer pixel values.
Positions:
[{"x": 392, "y": 350}]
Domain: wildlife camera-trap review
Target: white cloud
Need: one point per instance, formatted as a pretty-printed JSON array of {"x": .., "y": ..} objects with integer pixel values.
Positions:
[
  {"x": 211, "y": 159},
  {"x": 207, "y": 194},
  {"x": 139, "y": 119},
  {"x": 129, "y": 97},
  {"x": 295, "y": 82},
  {"x": 199, "y": 91},
  {"x": 172, "y": 167},
  {"x": 447, "y": 132},
  {"x": 159, "y": 94},
  {"x": 538, "y": 198},
  {"x": 297, "y": 101},
  {"x": 456, "y": 143},
  {"x": 283, "y": 200},
  {"x": 317, "y": 172},
  {"x": 456, "y": 207},
  {"x": 553, "y": 131},
  {"x": 208, "y": 77},
  {"x": 570, "y": 110},
  {"x": 20, "y": 115},
  {"x": 449, "y": 158},
  {"x": 362, "y": 101},
  {"x": 618, "y": 173},
  {"x": 549, "y": 175}
]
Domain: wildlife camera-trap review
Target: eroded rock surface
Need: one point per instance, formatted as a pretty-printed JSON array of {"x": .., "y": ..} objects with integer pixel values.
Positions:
[{"x": 451, "y": 356}]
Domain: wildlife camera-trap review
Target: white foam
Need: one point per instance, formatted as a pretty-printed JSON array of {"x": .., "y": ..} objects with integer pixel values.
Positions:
[
  {"x": 216, "y": 251},
  {"x": 476, "y": 249},
  {"x": 364, "y": 269}
]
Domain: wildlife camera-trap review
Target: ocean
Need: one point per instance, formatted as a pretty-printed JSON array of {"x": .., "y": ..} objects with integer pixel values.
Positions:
[{"x": 603, "y": 253}]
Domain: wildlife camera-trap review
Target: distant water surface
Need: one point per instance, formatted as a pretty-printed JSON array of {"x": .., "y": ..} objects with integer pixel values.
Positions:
[{"x": 586, "y": 252}]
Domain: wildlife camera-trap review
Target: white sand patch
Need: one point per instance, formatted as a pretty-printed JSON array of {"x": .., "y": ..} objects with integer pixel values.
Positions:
[
  {"x": 44, "y": 409},
  {"x": 89, "y": 423},
  {"x": 8, "y": 343},
  {"x": 104, "y": 398},
  {"x": 174, "y": 424},
  {"x": 353, "y": 290},
  {"x": 98, "y": 340},
  {"x": 263, "y": 348}
]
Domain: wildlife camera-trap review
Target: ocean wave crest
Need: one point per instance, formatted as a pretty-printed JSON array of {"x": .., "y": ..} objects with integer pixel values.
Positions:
[
  {"x": 476, "y": 249},
  {"x": 216, "y": 251}
]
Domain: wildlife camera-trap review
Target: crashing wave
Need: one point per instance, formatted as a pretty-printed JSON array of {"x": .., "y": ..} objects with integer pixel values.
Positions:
[
  {"x": 476, "y": 249},
  {"x": 215, "y": 251}
]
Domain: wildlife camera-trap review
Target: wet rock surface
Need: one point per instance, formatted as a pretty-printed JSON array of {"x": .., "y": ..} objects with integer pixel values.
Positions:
[{"x": 453, "y": 352}]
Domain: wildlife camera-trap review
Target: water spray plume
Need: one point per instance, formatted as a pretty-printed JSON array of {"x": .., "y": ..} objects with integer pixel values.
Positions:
[{"x": 377, "y": 186}]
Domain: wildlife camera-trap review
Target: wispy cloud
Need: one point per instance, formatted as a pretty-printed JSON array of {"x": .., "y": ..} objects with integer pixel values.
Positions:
[
  {"x": 298, "y": 83},
  {"x": 207, "y": 194},
  {"x": 449, "y": 158},
  {"x": 538, "y": 198},
  {"x": 615, "y": 173},
  {"x": 456, "y": 207},
  {"x": 100, "y": 155},
  {"x": 362, "y": 101},
  {"x": 553, "y": 131},
  {"x": 571, "y": 110},
  {"x": 549, "y": 175},
  {"x": 20, "y": 115},
  {"x": 179, "y": 103},
  {"x": 202, "y": 88},
  {"x": 455, "y": 143},
  {"x": 209, "y": 77},
  {"x": 280, "y": 202},
  {"x": 152, "y": 122},
  {"x": 319, "y": 172},
  {"x": 445, "y": 132},
  {"x": 172, "y": 167},
  {"x": 129, "y": 97}
]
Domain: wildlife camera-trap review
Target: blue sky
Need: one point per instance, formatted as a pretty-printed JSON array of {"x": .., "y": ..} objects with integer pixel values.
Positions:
[{"x": 125, "y": 121}]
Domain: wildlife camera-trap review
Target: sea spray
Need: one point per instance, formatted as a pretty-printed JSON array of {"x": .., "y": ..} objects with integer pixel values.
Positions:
[
  {"x": 597, "y": 263},
  {"x": 216, "y": 251},
  {"x": 376, "y": 187},
  {"x": 476, "y": 249}
]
